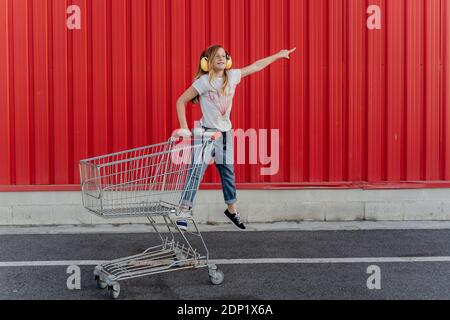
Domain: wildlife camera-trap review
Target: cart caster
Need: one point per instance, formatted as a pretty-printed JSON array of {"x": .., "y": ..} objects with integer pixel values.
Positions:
[
  {"x": 180, "y": 260},
  {"x": 100, "y": 283},
  {"x": 114, "y": 291},
  {"x": 216, "y": 276}
]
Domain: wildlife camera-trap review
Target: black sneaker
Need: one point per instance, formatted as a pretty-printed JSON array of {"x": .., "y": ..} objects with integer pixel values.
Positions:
[
  {"x": 235, "y": 218},
  {"x": 182, "y": 225}
]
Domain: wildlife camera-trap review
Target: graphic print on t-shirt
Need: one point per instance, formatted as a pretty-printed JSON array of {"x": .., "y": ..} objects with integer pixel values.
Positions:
[
  {"x": 222, "y": 103},
  {"x": 216, "y": 108}
]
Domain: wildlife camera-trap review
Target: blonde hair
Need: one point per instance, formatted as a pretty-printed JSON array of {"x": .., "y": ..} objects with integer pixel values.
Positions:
[{"x": 210, "y": 53}]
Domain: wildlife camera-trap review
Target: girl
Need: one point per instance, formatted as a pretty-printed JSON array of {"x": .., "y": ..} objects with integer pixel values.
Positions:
[{"x": 214, "y": 87}]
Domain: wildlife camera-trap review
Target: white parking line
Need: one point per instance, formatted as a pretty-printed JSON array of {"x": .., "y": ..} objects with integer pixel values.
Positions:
[
  {"x": 244, "y": 261},
  {"x": 50, "y": 263},
  {"x": 332, "y": 260}
]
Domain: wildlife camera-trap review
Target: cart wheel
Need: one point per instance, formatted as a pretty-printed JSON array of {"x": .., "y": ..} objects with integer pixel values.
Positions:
[
  {"x": 100, "y": 283},
  {"x": 217, "y": 277},
  {"x": 114, "y": 291}
]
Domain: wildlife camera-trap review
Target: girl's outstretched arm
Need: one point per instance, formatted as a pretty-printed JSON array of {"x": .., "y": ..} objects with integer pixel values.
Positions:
[{"x": 261, "y": 64}]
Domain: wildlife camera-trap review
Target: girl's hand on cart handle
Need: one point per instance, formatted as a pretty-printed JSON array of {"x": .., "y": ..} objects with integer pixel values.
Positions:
[
  {"x": 181, "y": 133},
  {"x": 285, "y": 53},
  {"x": 216, "y": 136}
]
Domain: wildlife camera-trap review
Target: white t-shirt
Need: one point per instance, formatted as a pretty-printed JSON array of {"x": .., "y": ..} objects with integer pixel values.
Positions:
[{"x": 216, "y": 108}]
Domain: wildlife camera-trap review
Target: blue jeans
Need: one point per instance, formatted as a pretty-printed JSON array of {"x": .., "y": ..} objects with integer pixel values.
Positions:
[{"x": 222, "y": 152}]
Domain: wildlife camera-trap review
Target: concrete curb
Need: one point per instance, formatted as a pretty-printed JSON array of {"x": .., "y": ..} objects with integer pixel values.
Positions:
[{"x": 256, "y": 206}]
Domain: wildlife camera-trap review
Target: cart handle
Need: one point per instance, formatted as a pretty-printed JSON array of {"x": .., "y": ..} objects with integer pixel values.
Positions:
[{"x": 212, "y": 135}]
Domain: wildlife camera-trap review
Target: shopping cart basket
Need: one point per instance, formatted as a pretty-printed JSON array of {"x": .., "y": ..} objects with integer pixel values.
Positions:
[{"x": 150, "y": 182}]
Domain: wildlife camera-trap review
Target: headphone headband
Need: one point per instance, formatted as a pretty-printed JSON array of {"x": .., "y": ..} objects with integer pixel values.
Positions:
[{"x": 206, "y": 50}]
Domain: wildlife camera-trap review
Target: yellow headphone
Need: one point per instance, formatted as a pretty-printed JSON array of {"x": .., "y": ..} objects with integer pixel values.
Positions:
[{"x": 204, "y": 61}]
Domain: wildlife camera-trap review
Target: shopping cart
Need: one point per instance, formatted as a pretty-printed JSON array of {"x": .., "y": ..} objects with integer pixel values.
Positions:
[{"x": 150, "y": 182}]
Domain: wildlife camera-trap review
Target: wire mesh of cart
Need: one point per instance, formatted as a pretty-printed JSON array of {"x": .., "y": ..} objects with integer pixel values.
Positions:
[{"x": 152, "y": 182}]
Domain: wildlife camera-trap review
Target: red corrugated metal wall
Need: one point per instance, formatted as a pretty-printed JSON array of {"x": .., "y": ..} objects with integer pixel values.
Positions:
[{"x": 355, "y": 107}]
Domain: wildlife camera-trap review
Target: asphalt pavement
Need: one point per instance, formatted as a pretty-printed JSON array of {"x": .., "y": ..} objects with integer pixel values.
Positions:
[{"x": 267, "y": 265}]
